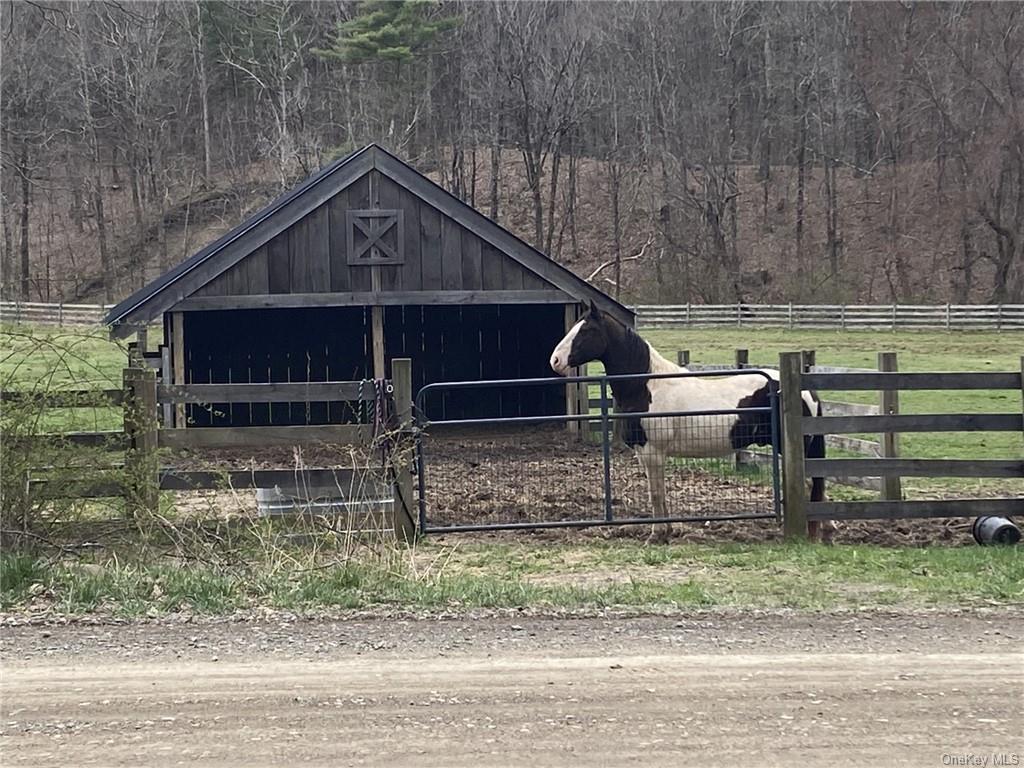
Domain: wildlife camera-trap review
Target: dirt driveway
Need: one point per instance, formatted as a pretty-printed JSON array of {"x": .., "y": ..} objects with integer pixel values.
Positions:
[{"x": 862, "y": 689}]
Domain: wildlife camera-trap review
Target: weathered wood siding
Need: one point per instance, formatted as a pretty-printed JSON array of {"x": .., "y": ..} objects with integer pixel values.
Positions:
[{"x": 311, "y": 256}]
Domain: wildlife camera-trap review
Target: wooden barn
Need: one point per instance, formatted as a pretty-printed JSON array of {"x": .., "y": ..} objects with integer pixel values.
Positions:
[{"x": 366, "y": 261}]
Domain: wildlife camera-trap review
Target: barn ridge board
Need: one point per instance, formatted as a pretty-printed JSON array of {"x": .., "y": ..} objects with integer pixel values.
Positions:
[{"x": 294, "y": 246}]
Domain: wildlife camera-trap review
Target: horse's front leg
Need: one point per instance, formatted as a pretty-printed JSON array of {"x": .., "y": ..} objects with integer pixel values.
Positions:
[{"x": 654, "y": 467}]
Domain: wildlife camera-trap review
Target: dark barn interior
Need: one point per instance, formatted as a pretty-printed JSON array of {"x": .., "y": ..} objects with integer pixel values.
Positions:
[
  {"x": 365, "y": 262},
  {"x": 333, "y": 344}
]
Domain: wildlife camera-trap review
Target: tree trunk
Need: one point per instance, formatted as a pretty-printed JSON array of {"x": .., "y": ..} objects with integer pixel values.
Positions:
[
  {"x": 801, "y": 184},
  {"x": 7, "y": 285},
  {"x": 26, "y": 276},
  {"x": 570, "y": 203},
  {"x": 199, "y": 54},
  {"x": 556, "y": 162},
  {"x": 495, "y": 162},
  {"x": 962, "y": 288},
  {"x": 615, "y": 181},
  {"x": 97, "y": 176}
]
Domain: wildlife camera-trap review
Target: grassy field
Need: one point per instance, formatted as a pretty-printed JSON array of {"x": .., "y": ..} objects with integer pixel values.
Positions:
[
  {"x": 594, "y": 575},
  {"x": 588, "y": 574}
]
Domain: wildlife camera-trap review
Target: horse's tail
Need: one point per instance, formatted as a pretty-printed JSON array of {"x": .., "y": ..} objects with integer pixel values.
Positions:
[{"x": 814, "y": 448}]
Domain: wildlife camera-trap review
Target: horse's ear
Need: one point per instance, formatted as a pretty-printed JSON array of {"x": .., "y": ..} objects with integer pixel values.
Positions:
[{"x": 592, "y": 307}]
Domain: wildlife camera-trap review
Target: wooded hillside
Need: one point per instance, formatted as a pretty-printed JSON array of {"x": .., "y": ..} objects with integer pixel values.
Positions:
[{"x": 701, "y": 151}]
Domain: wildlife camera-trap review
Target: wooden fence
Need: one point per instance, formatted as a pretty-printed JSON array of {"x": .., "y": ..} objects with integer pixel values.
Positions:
[
  {"x": 798, "y": 510},
  {"x": 143, "y": 437},
  {"x": 947, "y": 317},
  {"x": 893, "y": 317},
  {"x": 41, "y": 313}
]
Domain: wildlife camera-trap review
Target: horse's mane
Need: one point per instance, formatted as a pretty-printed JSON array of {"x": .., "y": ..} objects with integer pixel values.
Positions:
[
  {"x": 628, "y": 353},
  {"x": 631, "y": 353}
]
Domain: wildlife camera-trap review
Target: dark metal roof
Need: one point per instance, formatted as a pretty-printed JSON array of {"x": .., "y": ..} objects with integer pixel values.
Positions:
[{"x": 413, "y": 180}]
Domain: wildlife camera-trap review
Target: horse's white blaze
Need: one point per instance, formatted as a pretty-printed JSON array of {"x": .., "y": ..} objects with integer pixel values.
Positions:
[{"x": 560, "y": 357}]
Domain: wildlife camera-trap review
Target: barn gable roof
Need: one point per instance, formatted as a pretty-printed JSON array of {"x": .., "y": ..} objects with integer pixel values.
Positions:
[{"x": 163, "y": 293}]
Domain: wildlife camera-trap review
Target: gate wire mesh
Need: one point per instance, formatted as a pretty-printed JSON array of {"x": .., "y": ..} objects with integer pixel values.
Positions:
[{"x": 549, "y": 471}]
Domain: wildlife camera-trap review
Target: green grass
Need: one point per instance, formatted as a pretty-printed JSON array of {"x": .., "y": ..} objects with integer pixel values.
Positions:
[
  {"x": 43, "y": 360},
  {"x": 572, "y": 576}
]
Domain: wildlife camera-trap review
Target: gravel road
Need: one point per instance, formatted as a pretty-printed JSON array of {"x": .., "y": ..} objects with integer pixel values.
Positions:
[{"x": 509, "y": 689}]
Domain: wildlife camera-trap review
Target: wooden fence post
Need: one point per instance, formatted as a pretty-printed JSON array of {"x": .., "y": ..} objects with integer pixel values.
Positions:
[
  {"x": 742, "y": 358},
  {"x": 807, "y": 359},
  {"x": 791, "y": 315},
  {"x": 890, "y": 404},
  {"x": 794, "y": 479},
  {"x": 142, "y": 472},
  {"x": 1022, "y": 382},
  {"x": 683, "y": 358},
  {"x": 405, "y": 512}
]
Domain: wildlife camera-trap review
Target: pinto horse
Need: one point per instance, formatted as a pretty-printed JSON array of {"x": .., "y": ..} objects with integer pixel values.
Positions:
[{"x": 599, "y": 336}]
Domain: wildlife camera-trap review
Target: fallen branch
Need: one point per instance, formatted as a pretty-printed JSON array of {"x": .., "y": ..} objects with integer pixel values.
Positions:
[{"x": 609, "y": 263}]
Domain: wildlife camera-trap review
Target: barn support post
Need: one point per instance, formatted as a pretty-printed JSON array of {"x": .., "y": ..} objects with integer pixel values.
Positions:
[
  {"x": 377, "y": 310},
  {"x": 573, "y": 404},
  {"x": 142, "y": 476},
  {"x": 134, "y": 355},
  {"x": 890, "y": 404},
  {"x": 178, "y": 362},
  {"x": 404, "y": 507},
  {"x": 165, "y": 378},
  {"x": 794, "y": 476}
]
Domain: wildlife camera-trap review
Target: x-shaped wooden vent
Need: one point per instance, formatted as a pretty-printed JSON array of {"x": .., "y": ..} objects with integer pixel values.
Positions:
[{"x": 375, "y": 236}]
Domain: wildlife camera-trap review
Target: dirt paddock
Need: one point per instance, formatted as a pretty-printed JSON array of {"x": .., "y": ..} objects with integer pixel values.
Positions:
[
  {"x": 511, "y": 689},
  {"x": 542, "y": 476}
]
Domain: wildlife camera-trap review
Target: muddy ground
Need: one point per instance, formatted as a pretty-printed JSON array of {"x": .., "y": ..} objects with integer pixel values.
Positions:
[
  {"x": 502, "y": 689},
  {"x": 538, "y": 477}
]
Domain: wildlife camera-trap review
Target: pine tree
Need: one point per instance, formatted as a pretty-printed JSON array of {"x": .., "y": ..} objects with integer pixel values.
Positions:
[{"x": 393, "y": 30}]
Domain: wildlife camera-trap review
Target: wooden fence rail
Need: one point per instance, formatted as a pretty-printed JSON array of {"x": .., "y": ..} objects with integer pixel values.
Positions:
[{"x": 308, "y": 392}]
